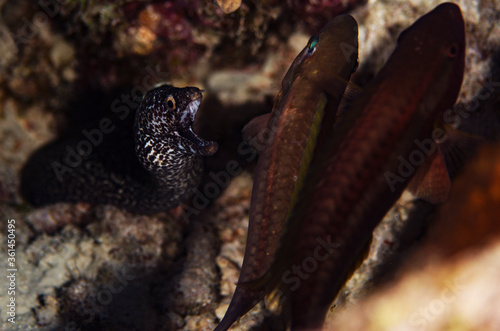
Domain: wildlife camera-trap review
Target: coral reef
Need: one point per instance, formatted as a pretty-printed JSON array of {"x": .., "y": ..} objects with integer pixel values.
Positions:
[{"x": 177, "y": 270}]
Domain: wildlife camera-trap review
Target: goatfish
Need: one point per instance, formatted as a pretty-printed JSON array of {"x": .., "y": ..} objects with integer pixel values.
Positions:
[
  {"x": 310, "y": 94},
  {"x": 386, "y": 137}
]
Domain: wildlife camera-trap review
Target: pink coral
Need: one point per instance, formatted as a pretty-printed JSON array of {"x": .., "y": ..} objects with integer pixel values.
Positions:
[{"x": 317, "y": 12}]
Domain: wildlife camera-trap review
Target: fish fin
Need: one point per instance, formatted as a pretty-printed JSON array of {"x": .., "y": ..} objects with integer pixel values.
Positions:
[
  {"x": 431, "y": 181},
  {"x": 458, "y": 147},
  {"x": 272, "y": 300},
  {"x": 333, "y": 112},
  {"x": 241, "y": 303},
  {"x": 277, "y": 298},
  {"x": 254, "y": 131},
  {"x": 266, "y": 283},
  {"x": 254, "y": 284},
  {"x": 225, "y": 324},
  {"x": 351, "y": 93},
  {"x": 277, "y": 291}
]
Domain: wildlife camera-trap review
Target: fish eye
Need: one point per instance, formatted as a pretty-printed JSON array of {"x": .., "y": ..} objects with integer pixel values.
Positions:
[
  {"x": 453, "y": 50},
  {"x": 312, "y": 44},
  {"x": 170, "y": 102}
]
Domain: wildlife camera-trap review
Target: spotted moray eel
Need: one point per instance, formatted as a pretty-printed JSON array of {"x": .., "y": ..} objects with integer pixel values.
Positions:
[{"x": 162, "y": 172}]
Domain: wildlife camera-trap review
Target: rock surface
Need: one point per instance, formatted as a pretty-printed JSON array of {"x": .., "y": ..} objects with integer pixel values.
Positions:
[{"x": 96, "y": 267}]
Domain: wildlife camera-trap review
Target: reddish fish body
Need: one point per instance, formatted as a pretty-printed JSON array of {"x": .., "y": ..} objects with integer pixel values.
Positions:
[
  {"x": 311, "y": 91},
  {"x": 347, "y": 192}
]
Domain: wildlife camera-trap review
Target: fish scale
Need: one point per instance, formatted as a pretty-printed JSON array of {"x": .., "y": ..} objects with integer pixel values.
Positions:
[
  {"x": 311, "y": 92},
  {"x": 347, "y": 188}
]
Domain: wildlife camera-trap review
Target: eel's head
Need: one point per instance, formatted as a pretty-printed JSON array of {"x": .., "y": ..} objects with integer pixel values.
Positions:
[{"x": 166, "y": 116}]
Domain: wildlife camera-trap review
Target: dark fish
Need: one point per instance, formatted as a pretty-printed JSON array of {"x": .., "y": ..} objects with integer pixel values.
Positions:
[
  {"x": 377, "y": 147},
  {"x": 311, "y": 92}
]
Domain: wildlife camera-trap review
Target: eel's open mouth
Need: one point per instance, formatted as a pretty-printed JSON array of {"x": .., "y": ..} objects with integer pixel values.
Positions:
[
  {"x": 192, "y": 108},
  {"x": 200, "y": 145}
]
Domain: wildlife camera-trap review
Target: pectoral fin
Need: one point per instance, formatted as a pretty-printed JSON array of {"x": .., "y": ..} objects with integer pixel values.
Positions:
[
  {"x": 254, "y": 133},
  {"x": 458, "y": 148},
  {"x": 431, "y": 181}
]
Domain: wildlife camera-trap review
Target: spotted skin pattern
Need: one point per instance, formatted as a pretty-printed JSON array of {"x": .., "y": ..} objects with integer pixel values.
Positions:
[
  {"x": 150, "y": 165},
  {"x": 165, "y": 142}
]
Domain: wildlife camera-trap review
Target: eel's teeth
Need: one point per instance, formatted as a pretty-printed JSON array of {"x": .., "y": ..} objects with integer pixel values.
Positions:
[{"x": 191, "y": 110}]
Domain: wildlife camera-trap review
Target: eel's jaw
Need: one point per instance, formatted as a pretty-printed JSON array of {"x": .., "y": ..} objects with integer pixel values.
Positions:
[
  {"x": 189, "y": 114},
  {"x": 199, "y": 145}
]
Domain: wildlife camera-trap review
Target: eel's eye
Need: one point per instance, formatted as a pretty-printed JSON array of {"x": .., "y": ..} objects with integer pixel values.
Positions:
[
  {"x": 453, "y": 51},
  {"x": 170, "y": 103},
  {"x": 312, "y": 44}
]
